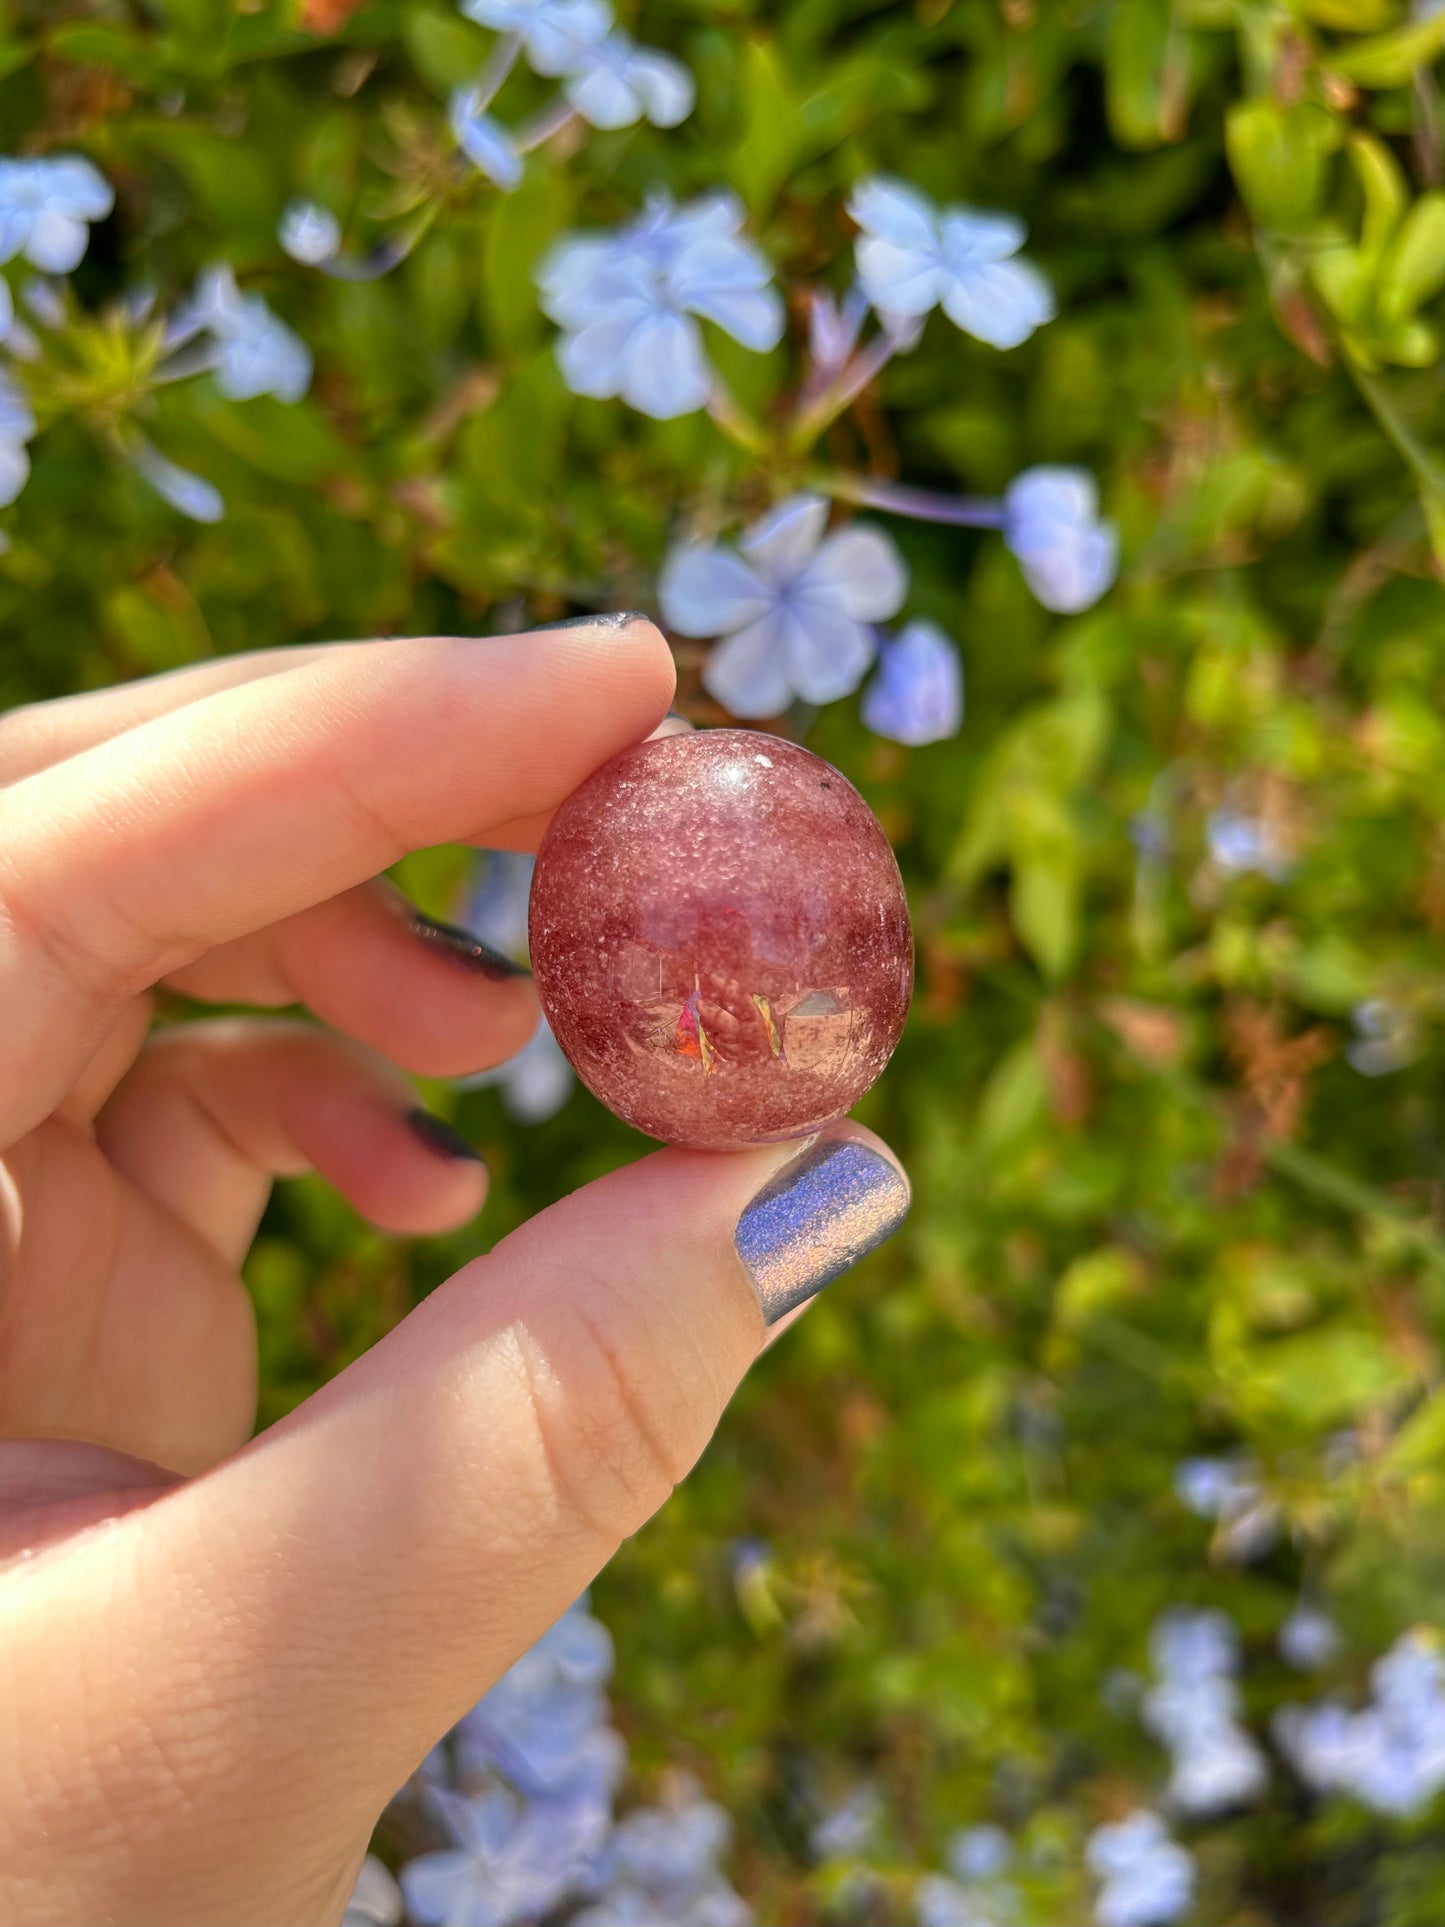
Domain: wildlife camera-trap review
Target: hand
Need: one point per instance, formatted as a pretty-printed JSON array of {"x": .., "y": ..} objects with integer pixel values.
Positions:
[{"x": 219, "y": 1659}]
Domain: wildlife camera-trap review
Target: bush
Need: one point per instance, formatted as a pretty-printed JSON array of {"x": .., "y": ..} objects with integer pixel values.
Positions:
[{"x": 1162, "y": 1336}]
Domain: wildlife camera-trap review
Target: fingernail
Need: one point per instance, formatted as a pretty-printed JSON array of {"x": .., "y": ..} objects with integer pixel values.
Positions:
[
  {"x": 604, "y": 619},
  {"x": 819, "y": 1215},
  {"x": 465, "y": 949},
  {"x": 438, "y": 1136},
  {"x": 672, "y": 725}
]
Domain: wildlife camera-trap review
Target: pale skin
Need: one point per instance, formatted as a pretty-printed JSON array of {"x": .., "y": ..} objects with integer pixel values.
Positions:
[{"x": 219, "y": 1657}]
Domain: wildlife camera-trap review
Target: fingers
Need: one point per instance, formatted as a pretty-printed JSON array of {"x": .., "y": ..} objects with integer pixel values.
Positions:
[
  {"x": 368, "y": 966},
  {"x": 348, "y": 1585},
  {"x": 213, "y": 1112},
  {"x": 130, "y": 860},
  {"x": 40, "y": 734}
]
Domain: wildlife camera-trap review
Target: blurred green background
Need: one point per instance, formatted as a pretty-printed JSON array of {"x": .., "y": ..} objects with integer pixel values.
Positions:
[{"x": 1184, "y": 865}]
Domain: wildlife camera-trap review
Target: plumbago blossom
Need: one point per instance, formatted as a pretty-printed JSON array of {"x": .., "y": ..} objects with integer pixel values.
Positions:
[
  {"x": 1390, "y": 1755},
  {"x": 46, "y": 208},
  {"x": 976, "y": 1891},
  {"x": 912, "y": 258},
  {"x": 1051, "y": 522},
  {"x": 794, "y": 607},
  {"x": 523, "y": 1791},
  {"x": 1193, "y": 1709},
  {"x": 630, "y": 302},
  {"x": 607, "y": 80},
  {"x": 1145, "y": 1878}
]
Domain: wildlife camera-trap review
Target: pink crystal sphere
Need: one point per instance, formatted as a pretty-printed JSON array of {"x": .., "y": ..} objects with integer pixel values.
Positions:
[{"x": 720, "y": 938}]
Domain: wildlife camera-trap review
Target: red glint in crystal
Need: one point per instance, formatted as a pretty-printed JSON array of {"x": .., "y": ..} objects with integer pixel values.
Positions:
[{"x": 720, "y": 938}]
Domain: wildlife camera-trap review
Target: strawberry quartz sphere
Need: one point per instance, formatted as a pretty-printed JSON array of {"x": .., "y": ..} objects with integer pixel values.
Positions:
[{"x": 720, "y": 938}]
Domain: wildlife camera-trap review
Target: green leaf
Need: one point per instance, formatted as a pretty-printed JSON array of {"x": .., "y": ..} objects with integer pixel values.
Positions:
[
  {"x": 1138, "y": 86},
  {"x": 1278, "y": 155},
  {"x": 772, "y": 128},
  {"x": 1044, "y": 900},
  {"x": 522, "y": 227},
  {"x": 447, "y": 51},
  {"x": 1014, "y": 1099},
  {"x": 1386, "y": 196},
  {"x": 1415, "y": 267},
  {"x": 1390, "y": 60}
]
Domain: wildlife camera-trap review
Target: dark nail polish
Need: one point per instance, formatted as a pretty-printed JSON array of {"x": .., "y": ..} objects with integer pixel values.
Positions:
[
  {"x": 465, "y": 949},
  {"x": 605, "y": 619},
  {"x": 818, "y": 1216},
  {"x": 438, "y": 1136}
]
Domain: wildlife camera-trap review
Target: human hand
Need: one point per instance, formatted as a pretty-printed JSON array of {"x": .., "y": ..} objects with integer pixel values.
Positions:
[{"x": 219, "y": 1659}]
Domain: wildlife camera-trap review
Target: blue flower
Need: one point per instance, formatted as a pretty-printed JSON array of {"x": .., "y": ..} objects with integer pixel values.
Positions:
[
  {"x": 1051, "y": 522},
  {"x": 1193, "y": 1709},
  {"x": 917, "y": 695},
  {"x": 615, "y": 84},
  {"x": 484, "y": 141},
  {"x": 309, "y": 233},
  {"x": 191, "y": 495},
  {"x": 254, "y": 352},
  {"x": 1229, "y": 1490},
  {"x": 17, "y": 425},
  {"x": 849, "y": 1829},
  {"x": 513, "y": 1861},
  {"x": 1240, "y": 843},
  {"x": 1147, "y": 1879},
  {"x": 46, "y": 207},
  {"x": 794, "y": 607},
  {"x": 913, "y": 258},
  {"x": 555, "y": 33},
  {"x": 1309, "y": 1639},
  {"x": 1391, "y": 1754},
  {"x": 627, "y": 302},
  {"x": 980, "y": 1853},
  {"x": 376, "y": 1899},
  {"x": 834, "y": 328}
]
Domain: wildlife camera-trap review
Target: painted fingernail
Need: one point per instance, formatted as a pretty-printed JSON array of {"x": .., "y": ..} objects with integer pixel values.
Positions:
[
  {"x": 438, "y": 1136},
  {"x": 465, "y": 949},
  {"x": 601, "y": 619},
  {"x": 818, "y": 1216}
]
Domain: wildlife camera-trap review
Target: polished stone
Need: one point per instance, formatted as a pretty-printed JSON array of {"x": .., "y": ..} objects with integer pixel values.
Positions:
[{"x": 720, "y": 938}]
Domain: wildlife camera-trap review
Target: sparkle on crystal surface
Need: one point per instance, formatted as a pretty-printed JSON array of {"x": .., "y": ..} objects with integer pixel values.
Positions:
[{"x": 720, "y": 938}]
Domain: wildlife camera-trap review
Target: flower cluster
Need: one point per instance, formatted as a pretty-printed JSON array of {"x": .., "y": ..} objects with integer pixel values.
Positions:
[
  {"x": 46, "y": 208},
  {"x": 522, "y": 1791},
  {"x": 1193, "y": 1709},
  {"x": 607, "y": 80},
  {"x": 1145, "y": 1878},
  {"x": 1390, "y": 1755}
]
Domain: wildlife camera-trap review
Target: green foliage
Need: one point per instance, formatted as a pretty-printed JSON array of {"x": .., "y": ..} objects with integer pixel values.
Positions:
[{"x": 1159, "y": 1212}]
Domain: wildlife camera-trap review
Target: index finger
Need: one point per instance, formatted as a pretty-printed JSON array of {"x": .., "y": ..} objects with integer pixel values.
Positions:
[{"x": 130, "y": 860}]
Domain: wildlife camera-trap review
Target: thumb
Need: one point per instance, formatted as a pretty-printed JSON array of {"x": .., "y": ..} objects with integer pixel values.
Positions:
[{"x": 343, "y": 1589}]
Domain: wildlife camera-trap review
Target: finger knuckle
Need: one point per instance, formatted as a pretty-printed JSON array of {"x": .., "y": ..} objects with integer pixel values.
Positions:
[{"x": 612, "y": 1419}]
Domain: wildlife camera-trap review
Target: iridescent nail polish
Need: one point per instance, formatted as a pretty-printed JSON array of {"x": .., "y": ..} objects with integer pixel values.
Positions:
[{"x": 819, "y": 1215}]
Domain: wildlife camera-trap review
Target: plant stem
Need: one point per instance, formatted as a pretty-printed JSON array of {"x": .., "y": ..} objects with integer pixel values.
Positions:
[
  {"x": 844, "y": 390},
  {"x": 918, "y": 504},
  {"x": 500, "y": 62},
  {"x": 734, "y": 420},
  {"x": 1427, "y": 470},
  {"x": 545, "y": 126}
]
